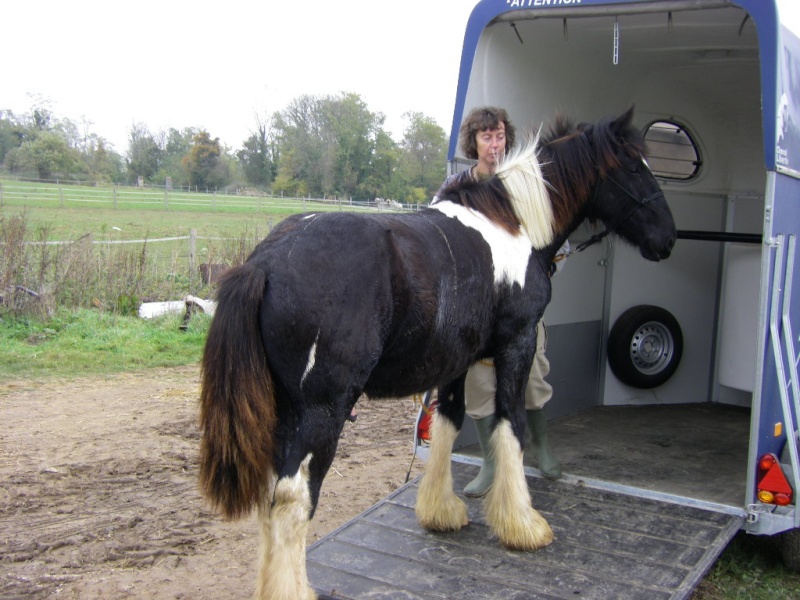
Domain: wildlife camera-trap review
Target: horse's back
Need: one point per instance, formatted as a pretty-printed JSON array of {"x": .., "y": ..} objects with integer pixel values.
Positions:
[{"x": 394, "y": 298}]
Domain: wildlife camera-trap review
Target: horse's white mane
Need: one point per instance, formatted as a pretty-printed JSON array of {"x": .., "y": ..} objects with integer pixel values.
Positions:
[{"x": 522, "y": 176}]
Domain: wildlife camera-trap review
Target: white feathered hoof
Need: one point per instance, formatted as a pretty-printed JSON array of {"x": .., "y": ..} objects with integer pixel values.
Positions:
[
  {"x": 509, "y": 513},
  {"x": 445, "y": 513},
  {"x": 529, "y": 531},
  {"x": 438, "y": 508}
]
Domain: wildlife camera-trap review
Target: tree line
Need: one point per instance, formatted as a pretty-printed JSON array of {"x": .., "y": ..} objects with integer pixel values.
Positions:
[{"x": 318, "y": 146}]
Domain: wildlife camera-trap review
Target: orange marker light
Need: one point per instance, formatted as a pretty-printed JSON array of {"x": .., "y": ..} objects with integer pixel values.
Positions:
[
  {"x": 766, "y": 462},
  {"x": 766, "y": 497}
]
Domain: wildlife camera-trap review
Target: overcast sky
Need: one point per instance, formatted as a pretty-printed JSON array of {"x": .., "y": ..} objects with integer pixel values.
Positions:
[{"x": 175, "y": 63}]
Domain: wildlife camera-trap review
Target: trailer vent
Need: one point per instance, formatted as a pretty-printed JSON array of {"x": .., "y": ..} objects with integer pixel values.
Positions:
[{"x": 671, "y": 151}]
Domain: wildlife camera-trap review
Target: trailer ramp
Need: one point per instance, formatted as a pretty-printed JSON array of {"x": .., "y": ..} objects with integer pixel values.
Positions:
[{"x": 608, "y": 545}]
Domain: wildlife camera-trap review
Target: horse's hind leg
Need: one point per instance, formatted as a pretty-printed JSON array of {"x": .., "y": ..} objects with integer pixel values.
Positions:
[
  {"x": 438, "y": 508},
  {"x": 284, "y": 516},
  {"x": 286, "y": 512}
]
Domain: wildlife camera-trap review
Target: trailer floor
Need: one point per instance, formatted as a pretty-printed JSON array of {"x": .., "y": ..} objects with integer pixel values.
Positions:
[
  {"x": 609, "y": 543},
  {"x": 696, "y": 451}
]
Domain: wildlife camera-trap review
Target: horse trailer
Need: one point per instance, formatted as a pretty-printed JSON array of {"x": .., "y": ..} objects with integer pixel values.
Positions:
[{"x": 676, "y": 389}]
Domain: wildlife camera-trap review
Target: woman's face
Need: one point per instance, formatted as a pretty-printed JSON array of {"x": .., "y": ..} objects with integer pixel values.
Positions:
[{"x": 491, "y": 146}]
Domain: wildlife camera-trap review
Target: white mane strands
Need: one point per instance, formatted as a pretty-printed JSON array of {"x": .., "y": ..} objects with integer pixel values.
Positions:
[{"x": 525, "y": 184}]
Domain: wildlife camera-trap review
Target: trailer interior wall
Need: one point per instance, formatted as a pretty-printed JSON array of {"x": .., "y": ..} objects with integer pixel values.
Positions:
[{"x": 699, "y": 68}]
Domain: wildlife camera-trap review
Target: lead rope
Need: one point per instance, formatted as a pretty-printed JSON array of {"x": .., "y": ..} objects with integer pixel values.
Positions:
[{"x": 417, "y": 399}]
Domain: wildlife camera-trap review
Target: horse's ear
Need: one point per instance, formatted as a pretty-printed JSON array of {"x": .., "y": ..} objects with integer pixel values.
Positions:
[{"x": 624, "y": 121}]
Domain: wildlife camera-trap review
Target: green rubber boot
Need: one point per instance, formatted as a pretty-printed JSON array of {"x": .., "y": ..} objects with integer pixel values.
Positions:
[
  {"x": 548, "y": 463},
  {"x": 478, "y": 487}
]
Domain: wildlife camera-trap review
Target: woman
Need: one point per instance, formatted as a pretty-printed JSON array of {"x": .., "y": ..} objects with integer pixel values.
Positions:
[{"x": 485, "y": 136}]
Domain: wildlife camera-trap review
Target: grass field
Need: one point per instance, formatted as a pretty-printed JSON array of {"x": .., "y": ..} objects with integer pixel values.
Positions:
[
  {"x": 69, "y": 211},
  {"x": 157, "y": 239}
]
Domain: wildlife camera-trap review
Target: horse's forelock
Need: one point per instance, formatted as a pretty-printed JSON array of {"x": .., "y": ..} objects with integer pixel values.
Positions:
[
  {"x": 608, "y": 137},
  {"x": 572, "y": 163}
]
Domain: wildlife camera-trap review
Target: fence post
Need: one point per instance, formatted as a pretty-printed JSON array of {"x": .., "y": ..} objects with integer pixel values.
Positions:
[
  {"x": 115, "y": 196},
  {"x": 214, "y": 201},
  {"x": 61, "y": 197},
  {"x": 166, "y": 200},
  {"x": 192, "y": 252}
]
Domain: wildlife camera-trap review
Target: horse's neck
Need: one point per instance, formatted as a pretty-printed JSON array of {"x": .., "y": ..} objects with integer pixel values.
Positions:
[{"x": 549, "y": 253}]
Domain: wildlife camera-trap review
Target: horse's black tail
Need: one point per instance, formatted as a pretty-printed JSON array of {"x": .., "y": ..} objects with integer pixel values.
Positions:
[{"x": 237, "y": 404}]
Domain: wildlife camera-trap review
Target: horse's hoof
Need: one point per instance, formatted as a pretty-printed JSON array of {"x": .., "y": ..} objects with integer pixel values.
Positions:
[
  {"x": 450, "y": 515},
  {"x": 527, "y": 533}
]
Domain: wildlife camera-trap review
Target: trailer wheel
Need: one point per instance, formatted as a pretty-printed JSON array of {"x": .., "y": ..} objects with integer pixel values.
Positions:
[
  {"x": 790, "y": 549},
  {"x": 645, "y": 346}
]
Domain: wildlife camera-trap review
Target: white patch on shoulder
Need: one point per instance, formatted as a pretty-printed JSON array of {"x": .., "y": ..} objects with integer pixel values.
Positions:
[
  {"x": 510, "y": 253},
  {"x": 311, "y": 216},
  {"x": 312, "y": 359}
]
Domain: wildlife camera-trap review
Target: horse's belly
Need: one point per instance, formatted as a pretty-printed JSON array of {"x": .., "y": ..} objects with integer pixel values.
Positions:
[
  {"x": 396, "y": 384},
  {"x": 418, "y": 372}
]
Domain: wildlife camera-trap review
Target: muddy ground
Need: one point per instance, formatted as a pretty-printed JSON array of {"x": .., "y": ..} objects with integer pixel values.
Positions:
[{"x": 99, "y": 498}]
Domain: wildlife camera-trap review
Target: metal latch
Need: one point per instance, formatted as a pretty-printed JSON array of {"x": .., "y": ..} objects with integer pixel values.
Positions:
[{"x": 754, "y": 512}]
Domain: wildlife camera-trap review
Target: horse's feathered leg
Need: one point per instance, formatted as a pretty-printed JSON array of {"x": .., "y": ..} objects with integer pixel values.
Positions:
[
  {"x": 284, "y": 516},
  {"x": 438, "y": 508},
  {"x": 508, "y": 504},
  {"x": 306, "y": 453}
]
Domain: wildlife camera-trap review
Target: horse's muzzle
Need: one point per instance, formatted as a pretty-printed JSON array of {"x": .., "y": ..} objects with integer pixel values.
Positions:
[{"x": 658, "y": 251}]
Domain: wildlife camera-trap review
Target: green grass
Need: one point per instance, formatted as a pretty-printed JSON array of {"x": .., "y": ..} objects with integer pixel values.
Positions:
[
  {"x": 63, "y": 224},
  {"x": 750, "y": 568},
  {"x": 91, "y": 342},
  {"x": 212, "y": 229},
  {"x": 66, "y": 212}
]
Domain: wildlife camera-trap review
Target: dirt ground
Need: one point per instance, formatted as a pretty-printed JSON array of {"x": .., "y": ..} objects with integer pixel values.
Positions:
[{"x": 99, "y": 498}]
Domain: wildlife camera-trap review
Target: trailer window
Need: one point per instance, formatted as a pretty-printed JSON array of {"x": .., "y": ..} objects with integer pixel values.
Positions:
[{"x": 672, "y": 151}]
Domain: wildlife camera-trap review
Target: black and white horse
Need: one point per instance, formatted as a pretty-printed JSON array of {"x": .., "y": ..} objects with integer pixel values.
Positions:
[{"x": 330, "y": 306}]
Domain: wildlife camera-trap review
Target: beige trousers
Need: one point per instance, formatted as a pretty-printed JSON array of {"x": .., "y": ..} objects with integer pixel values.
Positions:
[{"x": 481, "y": 382}]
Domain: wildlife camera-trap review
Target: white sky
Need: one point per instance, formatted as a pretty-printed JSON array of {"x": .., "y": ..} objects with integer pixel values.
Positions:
[
  {"x": 790, "y": 14},
  {"x": 176, "y": 63},
  {"x": 173, "y": 63}
]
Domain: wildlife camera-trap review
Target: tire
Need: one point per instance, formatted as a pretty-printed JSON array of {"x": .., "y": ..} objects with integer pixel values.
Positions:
[
  {"x": 645, "y": 346},
  {"x": 790, "y": 549}
]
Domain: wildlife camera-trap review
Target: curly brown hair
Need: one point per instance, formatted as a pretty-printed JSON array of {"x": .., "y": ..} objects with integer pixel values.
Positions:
[{"x": 481, "y": 119}]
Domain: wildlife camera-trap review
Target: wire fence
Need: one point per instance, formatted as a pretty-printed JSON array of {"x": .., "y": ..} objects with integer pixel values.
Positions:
[
  {"x": 181, "y": 253},
  {"x": 20, "y": 193}
]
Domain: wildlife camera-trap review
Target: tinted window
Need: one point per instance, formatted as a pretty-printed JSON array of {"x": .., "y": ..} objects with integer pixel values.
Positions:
[{"x": 672, "y": 152}]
